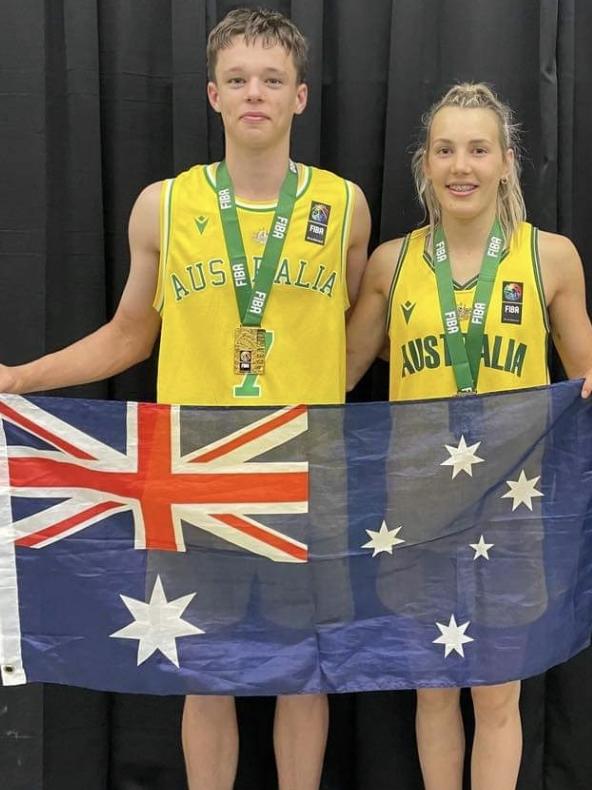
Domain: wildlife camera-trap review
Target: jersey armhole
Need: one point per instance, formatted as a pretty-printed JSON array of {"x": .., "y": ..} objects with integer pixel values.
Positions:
[
  {"x": 538, "y": 278},
  {"x": 396, "y": 273},
  {"x": 166, "y": 200},
  {"x": 345, "y": 234}
]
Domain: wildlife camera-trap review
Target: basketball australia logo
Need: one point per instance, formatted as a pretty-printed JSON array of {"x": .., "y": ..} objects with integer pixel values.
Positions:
[
  {"x": 260, "y": 236},
  {"x": 463, "y": 312},
  {"x": 318, "y": 222}
]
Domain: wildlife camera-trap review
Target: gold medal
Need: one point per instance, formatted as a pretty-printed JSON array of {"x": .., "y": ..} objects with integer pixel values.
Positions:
[{"x": 249, "y": 350}]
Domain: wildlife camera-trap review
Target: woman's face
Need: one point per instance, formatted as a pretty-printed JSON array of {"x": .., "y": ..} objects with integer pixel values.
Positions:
[{"x": 465, "y": 161}]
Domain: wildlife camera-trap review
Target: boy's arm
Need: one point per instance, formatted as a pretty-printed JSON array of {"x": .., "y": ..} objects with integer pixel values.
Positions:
[
  {"x": 357, "y": 252},
  {"x": 127, "y": 338},
  {"x": 366, "y": 327}
]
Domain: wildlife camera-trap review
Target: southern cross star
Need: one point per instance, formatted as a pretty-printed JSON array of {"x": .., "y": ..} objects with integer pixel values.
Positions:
[
  {"x": 453, "y": 637},
  {"x": 522, "y": 491},
  {"x": 157, "y": 624},
  {"x": 383, "y": 540},
  {"x": 462, "y": 457},
  {"x": 481, "y": 548}
]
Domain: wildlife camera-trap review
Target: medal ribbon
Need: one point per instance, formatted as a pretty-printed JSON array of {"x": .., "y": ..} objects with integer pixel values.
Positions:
[
  {"x": 252, "y": 298},
  {"x": 465, "y": 353}
]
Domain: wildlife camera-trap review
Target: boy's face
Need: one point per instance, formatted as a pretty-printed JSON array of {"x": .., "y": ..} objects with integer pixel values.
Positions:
[{"x": 257, "y": 93}]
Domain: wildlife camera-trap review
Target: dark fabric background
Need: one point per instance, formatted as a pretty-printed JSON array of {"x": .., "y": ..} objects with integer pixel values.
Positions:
[{"x": 101, "y": 97}]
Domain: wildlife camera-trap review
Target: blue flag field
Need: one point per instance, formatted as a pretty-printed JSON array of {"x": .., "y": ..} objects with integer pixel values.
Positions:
[{"x": 172, "y": 550}]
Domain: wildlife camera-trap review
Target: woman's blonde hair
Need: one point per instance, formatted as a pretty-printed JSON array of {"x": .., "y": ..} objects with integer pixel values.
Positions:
[{"x": 469, "y": 95}]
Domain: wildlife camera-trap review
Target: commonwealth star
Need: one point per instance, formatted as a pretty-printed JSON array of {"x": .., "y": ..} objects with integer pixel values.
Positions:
[
  {"x": 383, "y": 540},
  {"x": 522, "y": 491},
  {"x": 453, "y": 637},
  {"x": 157, "y": 624},
  {"x": 462, "y": 457}
]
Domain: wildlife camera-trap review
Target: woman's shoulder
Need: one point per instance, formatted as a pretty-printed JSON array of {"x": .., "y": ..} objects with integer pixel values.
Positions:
[
  {"x": 555, "y": 248},
  {"x": 560, "y": 263},
  {"x": 390, "y": 250},
  {"x": 384, "y": 260}
]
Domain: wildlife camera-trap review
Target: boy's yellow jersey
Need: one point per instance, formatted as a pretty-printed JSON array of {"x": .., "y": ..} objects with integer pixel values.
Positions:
[
  {"x": 304, "y": 318},
  {"x": 515, "y": 342}
]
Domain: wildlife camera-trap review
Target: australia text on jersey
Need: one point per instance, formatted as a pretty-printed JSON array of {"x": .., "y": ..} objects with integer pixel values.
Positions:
[
  {"x": 200, "y": 275},
  {"x": 430, "y": 352}
]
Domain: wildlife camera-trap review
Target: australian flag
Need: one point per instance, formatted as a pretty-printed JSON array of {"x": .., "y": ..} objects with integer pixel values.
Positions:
[{"x": 172, "y": 550}]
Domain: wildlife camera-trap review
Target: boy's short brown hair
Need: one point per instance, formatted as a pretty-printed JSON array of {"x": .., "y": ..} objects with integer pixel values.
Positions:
[{"x": 270, "y": 27}]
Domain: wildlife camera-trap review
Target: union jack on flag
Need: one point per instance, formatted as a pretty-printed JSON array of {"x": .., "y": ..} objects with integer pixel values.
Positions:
[{"x": 216, "y": 487}]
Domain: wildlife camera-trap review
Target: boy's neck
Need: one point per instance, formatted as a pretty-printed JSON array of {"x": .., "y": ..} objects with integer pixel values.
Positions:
[{"x": 257, "y": 174}]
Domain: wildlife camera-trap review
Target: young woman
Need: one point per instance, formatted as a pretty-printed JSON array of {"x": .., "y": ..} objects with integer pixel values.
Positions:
[{"x": 468, "y": 303}]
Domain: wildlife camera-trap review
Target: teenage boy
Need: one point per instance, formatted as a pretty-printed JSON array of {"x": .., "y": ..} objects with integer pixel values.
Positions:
[{"x": 246, "y": 268}]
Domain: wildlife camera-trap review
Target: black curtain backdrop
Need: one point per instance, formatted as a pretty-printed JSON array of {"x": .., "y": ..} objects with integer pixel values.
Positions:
[{"x": 100, "y": 98}]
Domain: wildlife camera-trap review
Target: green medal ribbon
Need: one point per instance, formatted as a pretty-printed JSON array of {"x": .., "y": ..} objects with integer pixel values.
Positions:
[
  {"x": 252, "y": 298},
  {"x": 465, "y": 354}
]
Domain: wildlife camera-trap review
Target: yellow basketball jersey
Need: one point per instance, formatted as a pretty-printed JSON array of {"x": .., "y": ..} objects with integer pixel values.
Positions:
[
  {"x": 304, "y": 318},
  {"x": 515, "y": 341}
]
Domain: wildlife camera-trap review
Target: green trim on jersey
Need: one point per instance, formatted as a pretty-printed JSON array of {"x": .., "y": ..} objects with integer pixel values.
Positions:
[
  {"x": 397, "y": 271},
  {"x": 538, "y": 277},
  {"x": 260, "y": 208},
  {"x": 345, "y": 233},
  {"x": 471, "y": 283},
  {"x": 165, "y": 240},
  {"x": 307, "y": 176}
]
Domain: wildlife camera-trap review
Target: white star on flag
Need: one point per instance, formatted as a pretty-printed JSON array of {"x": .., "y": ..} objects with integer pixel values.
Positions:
[
  {"x": 453, "y": 637},
  {"x": 462, "y": 457},
  {"x": 522, "y": 491},
  {"x": 157, "y": 624},
  {"x": 383, "y": 540},
  {"x": 481, "y": 548}
]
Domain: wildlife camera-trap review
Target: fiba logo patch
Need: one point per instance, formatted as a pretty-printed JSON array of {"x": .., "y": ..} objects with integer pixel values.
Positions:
[
  {"x": 319, "y": 212},
  {"x": 318, "y": 222},
  {"x": 512, "y": 302},
  {"x": 512, "y": 292}
]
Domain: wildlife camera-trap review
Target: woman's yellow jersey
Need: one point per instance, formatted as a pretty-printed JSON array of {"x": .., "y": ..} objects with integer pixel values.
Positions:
[
  {"x": 515, "y": 341},
  {"x": 304, "y": 318}
]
